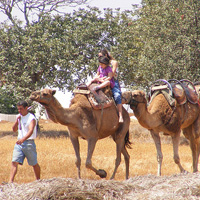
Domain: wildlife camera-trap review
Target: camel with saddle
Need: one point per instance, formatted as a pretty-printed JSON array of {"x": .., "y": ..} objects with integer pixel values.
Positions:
[
  {"x": 173, "y": 106},
  {"x": 91, "y": 118}
]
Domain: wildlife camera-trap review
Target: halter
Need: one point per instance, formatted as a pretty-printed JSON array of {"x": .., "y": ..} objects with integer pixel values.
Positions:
[{"x": 134, "y": 102}]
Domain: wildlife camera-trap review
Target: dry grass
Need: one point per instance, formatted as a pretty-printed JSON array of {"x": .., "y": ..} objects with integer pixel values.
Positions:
[
  {"x": 58, "y": 171},
  {"x": 176, "y": 187},
  {"x": 57, "y": 159}
]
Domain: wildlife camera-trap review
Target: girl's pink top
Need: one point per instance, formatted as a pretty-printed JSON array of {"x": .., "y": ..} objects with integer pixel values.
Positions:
[{"x": 104, "y": 72}]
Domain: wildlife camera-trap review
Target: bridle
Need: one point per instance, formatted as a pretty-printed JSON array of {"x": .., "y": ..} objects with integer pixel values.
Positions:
[{"x": 133, "y": 102}]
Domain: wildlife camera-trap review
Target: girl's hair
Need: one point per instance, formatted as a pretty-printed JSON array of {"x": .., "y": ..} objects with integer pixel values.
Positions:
[
  {"x": 104, "y": 52},
  {"x": 105, "y": 60}
]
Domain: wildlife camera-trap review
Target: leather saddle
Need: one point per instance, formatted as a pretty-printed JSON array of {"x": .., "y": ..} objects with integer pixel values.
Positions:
[
  {"x": 183, "y": 90},
  {"x": 197, "y": 87},
  {"x": 98, "y": 99}
]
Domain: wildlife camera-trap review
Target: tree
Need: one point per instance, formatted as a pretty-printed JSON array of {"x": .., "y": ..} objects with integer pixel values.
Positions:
[
  {"x": 37, "y": 8},
  {"x": 162, "y": 42},
  {"x": 59, "y": 51},
  {"x": 169, "y": 33},
  {"x": 7, "y": 101}
]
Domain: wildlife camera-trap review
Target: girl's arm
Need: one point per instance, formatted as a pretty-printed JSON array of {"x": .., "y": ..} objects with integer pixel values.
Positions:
[
  {"x": 95, "y": 79},
  {"x": 114, "y": 66}
]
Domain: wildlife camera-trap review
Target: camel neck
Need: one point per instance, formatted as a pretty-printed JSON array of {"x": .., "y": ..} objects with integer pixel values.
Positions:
[{"x": 57, "y": 113}]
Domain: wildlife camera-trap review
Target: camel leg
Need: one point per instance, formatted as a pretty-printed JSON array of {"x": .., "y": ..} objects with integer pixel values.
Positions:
[
  {"x": 76, "y": 146},
  {"x": 127, "y": 160},
  {"x": 190, "y": 134},
  {"x": 195, "y": 143},
  {"x": 118, "y": 158},
  {"x": 195, "y": 147},
  {"x": 91, "y": 145},
  {"x": 175, "y": 141},
  {"x": 156, "y": 138}
]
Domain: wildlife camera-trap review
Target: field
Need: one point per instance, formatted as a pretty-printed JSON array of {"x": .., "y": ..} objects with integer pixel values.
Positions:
[{"x": 57, "y": 159}]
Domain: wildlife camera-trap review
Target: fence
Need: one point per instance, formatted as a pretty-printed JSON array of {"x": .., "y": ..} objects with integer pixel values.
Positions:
[{"x": 8, "y": 117}]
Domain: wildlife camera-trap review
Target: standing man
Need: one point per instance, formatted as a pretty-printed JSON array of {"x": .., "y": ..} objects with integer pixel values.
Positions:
[{"x": 25, "y": 145}]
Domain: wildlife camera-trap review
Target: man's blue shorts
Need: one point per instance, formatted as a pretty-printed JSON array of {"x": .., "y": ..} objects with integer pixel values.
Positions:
[{"x": 26, "y": 149}]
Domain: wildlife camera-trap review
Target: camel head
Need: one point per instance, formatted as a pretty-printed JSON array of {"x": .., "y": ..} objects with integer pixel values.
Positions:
[
  {"x": 133, "y": 98},
  {"x": 43, "y": 97},
  {"x": 137, "y": 97},
  {"x": 126, "y": 97}
]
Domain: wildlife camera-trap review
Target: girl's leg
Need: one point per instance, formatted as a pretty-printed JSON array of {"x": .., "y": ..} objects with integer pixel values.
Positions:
[
  {"x": 102, "y": 85},
  {"x": 119, "y": 106},
  {"x": 117, "y": 97}
]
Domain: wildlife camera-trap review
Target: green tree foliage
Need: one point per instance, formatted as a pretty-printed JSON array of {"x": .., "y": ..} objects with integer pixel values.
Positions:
[
  {"x": 57, "y": 51},
  {"x": 158, "y": 41},
  {"x": 169, "y": 32},
  {"x": 7, "y": 101}
]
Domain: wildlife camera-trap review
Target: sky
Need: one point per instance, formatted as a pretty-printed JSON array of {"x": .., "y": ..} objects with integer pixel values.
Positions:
[
  {"x": 122, "y": 4},
  {"x": 101, "y": 4},
  {"x": 65, "y": 97}
]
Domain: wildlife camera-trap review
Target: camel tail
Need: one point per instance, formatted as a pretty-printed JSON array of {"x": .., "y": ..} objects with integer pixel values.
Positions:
[{"x": 127, "y": 141}]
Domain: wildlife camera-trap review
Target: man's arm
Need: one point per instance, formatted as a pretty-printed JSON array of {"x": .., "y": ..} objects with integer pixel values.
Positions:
[{"x": 15, "y": 126}]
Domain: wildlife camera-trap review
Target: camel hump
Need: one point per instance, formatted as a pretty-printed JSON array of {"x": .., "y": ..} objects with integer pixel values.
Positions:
[
  {"x": 179, "y": 93},
  {"x": 163, "y": 87},
  {"x": 98, "y": 99},
  {"x": 183, "y": 90},
  {"x": 81, "y": 89},
  {"x": 190, "y": 91},
  {"x": 101, "y": 98}
]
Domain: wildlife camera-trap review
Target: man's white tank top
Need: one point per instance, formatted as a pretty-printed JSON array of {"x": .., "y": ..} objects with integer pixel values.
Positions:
[{"x": 23, "y": 126}]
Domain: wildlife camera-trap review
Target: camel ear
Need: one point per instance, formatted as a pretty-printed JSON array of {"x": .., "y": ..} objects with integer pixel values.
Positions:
[{"x": 53, "y": 92}]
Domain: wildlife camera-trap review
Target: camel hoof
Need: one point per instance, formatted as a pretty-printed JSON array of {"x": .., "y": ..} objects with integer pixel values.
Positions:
[
  {"x": 184, "y": 172},
  {"x": 102, "y": 173}
]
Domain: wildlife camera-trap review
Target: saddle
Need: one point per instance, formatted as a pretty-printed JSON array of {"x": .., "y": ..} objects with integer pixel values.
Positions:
[
  {"x": 197, "y": 87},
  {"x": 183, "y": 90},
  {"x": 98, "y": 99}
]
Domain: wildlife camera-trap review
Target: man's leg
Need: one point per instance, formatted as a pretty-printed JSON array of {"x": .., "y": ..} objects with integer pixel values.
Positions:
[
  {"x": 36, "y": 169},
  {"x": 13, "y": 171}
]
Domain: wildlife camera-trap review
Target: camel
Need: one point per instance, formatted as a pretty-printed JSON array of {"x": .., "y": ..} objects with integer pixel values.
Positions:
[
  {"x": 159, "y": 116},
  {"x": 85, "y": 122}
]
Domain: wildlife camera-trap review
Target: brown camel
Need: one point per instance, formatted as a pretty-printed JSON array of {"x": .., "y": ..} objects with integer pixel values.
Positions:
[
  {"x": 159, "y": 116},
  {"x": 85, "y": 122}
]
